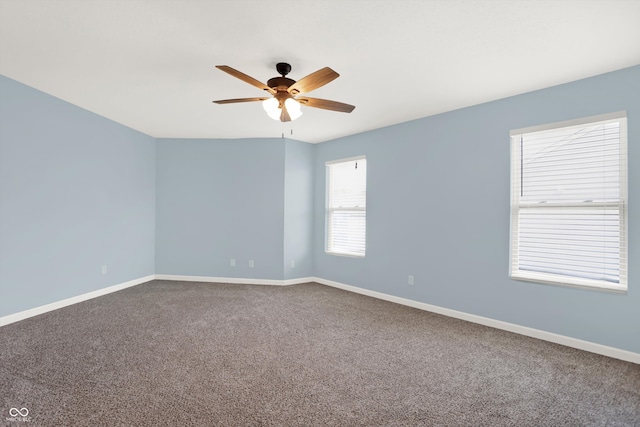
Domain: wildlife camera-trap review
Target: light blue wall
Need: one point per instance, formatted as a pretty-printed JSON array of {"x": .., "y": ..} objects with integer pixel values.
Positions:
[
  {"x": 247, "y": 199},
  {"x": 298, "y": 209},
  {"x": 217, "y": 200},
  {"x": 438, "y": 209},
  {"x": 76, "y": 192}
]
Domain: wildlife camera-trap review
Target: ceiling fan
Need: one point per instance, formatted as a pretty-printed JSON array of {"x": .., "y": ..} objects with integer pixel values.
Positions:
[{"x": 285, "y": 103}]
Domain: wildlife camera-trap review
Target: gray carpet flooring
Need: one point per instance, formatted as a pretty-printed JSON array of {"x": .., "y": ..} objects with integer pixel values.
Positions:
[{"x": 178, "y": 353}]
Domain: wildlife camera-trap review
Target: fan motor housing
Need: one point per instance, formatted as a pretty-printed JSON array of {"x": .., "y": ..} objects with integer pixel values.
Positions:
[{"x": 276, "y": 82}]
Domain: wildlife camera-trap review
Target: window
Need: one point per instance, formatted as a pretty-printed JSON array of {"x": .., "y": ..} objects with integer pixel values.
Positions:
[
  {"x": 346, "y": 207},
  {"x": 569, "y": 203}
]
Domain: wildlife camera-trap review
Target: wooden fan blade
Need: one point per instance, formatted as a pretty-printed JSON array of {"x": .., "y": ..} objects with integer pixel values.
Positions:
[
  {"x": 326, "y": 104},
  {"x": 233, "y": 101},
  {"x": 313, "y": 81},
  {"x": 245, "y": 78},
  {"x": 284, "y": 116}
]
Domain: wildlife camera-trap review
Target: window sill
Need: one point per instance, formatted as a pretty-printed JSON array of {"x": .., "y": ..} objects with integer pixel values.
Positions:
[
  {"x": 553, "y": 280},
  {"x": 344, "y": 254}
]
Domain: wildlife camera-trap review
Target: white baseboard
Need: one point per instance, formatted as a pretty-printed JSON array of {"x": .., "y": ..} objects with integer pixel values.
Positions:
[
  {"x": 234, "y": 280},
  {"x": 592, "y": 347},
  {"x": 15, "y": 317},
  {"x": 11, "y": 318},
  {"x": 298, "y": 281},
  {"x": 498, "y": 324}
]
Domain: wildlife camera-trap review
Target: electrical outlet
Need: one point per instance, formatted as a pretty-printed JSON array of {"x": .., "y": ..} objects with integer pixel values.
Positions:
[
  {"x": 411, "y": 280},
  {"x": 104, "y": 269},
  {"x": 251, "y": 263},
  {"x": 293, "y": 264},
  {"x": 232, "y": 263}
]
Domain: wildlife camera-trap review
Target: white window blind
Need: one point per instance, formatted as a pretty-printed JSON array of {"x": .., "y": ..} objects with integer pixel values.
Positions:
[
  {"x": 569, "y": 203},
  {"x": 346, "y": 207}
]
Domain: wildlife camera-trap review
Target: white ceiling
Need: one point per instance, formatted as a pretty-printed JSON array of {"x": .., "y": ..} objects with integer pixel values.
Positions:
[{"x": 149, "y": 64}]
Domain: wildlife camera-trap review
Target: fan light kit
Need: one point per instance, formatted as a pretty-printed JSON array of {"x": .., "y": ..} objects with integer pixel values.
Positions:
[{"x": 285, "y": 103}]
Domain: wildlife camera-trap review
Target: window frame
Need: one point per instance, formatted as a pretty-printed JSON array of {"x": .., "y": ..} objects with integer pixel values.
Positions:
[
  {"x": 622, "y": 206},
  {"x": 329, "y": 210}
]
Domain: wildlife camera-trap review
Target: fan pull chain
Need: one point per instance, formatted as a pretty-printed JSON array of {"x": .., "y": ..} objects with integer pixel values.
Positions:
[{"x": 282, "y": 131}]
